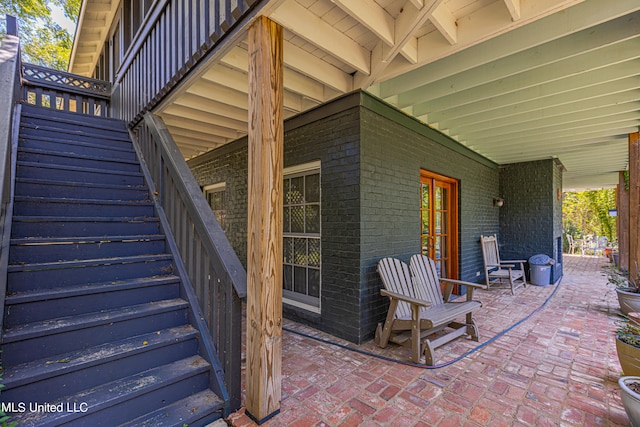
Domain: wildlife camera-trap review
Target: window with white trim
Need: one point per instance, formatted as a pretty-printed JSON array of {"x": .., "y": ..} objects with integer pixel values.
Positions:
[
  {"x": 216, "y": 195},
  {"x": 301, "y": 284}
]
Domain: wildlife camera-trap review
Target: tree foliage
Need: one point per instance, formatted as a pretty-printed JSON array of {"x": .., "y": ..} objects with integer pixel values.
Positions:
[
  {"x": 43, "y": 41},
  {"x": 587, "y": 213}
]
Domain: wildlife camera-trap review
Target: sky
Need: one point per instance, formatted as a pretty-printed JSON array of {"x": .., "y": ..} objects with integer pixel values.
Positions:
[{"x": 58, "y": 16}]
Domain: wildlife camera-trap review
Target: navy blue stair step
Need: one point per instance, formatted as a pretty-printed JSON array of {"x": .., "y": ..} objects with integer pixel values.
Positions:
[
  {"x": 42, "y": 379},
  {"x": 123, "y": 150},
  {"x": 119, "y": 401},
  {"x": 72, "y": 159},
  {"x": 49, "y": 226},
  {"x": 200, "y": 409},
  {"x": 77, "y": 174},
  {"x": 79, "y": 190},
  {"x": 26, "y": 133},
  {"x": 39, "y": 340},
  {"x": 42, "y": 304},
  {"x": 31, "y": 113},
  {"x": 44, "y": 206},
  {"x": 55, "y": 130},
  {"x": 49, "y": 275},
  {"x": 35, "y": 250}
]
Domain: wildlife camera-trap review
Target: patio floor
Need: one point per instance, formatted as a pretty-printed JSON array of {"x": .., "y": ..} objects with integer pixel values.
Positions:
[{"x": 558, "y": 367}]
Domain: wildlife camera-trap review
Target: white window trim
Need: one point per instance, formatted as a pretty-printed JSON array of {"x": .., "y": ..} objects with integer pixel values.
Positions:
[
  {"x": 299, "y": 169},
  {"x": 305, "y": 167},
  {"x": 217, "y": 186}
]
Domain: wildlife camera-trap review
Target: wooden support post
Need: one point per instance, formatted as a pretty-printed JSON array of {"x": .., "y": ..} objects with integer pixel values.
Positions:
[
  {"x": 623, "y": 221},
  {"x": 634, "y": 202},
  {"x": 264, "y": 245}
]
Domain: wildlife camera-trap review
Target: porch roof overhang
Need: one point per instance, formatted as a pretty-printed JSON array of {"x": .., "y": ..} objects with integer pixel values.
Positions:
[
  {"x": 94, "y": 22},
  {"x": 513, "y": 80}
]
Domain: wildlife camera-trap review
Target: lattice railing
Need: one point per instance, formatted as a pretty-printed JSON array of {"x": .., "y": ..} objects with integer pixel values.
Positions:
[{"x": 59, "y": 90}]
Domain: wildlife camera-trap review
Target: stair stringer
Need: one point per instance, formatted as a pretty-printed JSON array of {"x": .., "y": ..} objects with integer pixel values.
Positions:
[
  {"x": 206, "y": 347},
  {"x": 6, "y": 216}
]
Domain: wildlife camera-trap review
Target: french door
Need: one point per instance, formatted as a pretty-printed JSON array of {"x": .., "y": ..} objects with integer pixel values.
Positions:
[{"x": 439, "y": 221}]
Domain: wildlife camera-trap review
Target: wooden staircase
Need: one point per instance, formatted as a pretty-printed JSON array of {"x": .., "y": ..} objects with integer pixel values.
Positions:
[{"x": 96, "y": 320}]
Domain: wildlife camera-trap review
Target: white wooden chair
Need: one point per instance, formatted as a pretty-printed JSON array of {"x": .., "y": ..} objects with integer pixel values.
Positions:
[
  {"x": 572, "y": 244},
  {"x": 501, "y": 271},
  {"x": 418, "y": 309}
]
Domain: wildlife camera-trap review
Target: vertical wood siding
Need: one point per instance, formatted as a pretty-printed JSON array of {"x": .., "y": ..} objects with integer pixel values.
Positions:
[{"x": 182, "y": 33}]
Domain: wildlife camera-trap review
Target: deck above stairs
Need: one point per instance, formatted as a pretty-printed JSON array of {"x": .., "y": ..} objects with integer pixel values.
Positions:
[{"x": 96, "y": 318}]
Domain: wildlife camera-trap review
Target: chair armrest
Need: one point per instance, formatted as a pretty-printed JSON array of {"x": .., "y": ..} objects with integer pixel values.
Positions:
[
  {"x": 451, "y": 282},
  {"x": 461, "y": 282},
  {"x": 513, "y": 260},
  {"x": 410, "y": 300}
]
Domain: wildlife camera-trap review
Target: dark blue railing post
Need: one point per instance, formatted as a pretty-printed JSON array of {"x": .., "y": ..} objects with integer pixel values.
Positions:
[{"x": 12, "y": 25}]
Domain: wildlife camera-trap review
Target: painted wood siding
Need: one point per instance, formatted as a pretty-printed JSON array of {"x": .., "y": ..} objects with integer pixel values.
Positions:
[{"x": 175, "y": 37}]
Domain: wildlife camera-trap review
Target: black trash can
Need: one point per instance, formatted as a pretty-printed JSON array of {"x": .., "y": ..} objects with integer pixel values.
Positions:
[{"x": 540, "y": 270}]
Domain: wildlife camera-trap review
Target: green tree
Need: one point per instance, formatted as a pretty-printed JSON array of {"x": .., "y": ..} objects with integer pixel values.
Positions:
[
  {"x": 587, "y": 212},
  {"x": 43, "y": 41}
]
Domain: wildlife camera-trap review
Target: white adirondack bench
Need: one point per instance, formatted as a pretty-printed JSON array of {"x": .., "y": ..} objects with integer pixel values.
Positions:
[
  {"x": 418, "y": 308},
  {"x": 499, "y": 271}
]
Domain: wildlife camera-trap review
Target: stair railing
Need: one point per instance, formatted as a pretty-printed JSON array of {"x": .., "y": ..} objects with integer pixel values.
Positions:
[
  {"x": 215, "y": 272},
  {"x": 59, "y": 90},
  {"x": 9, "y": 126}
]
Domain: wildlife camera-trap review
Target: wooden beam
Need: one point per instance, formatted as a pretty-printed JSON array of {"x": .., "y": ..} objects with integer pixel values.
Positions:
[
  {"x": 514, "y": 8},
  {"x": 312, "y": 28},
  {"x": 445, "y": 22},
  {"x": 401, "y": 77},
  {"x": 634, "y": 202},
  {"x": 623, "y": 221},
  {"x": 410, "y": 20},
  {"x": 265, "y": 204}
]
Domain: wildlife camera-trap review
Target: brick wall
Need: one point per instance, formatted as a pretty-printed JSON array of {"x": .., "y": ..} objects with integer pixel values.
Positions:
[
  {"x": 394, "y": 149},
  {"x": 531, "y": 218},
  {"x": 329, "y": 134},
  {"x": 371, "y": 156}
]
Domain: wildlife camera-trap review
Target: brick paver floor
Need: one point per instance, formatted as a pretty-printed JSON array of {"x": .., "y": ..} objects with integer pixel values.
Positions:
[{"x": 556, "y": 368}]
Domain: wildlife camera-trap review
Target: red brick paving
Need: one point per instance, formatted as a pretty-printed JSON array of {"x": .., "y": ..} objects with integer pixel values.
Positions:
[{"x": 557, "y": 368}]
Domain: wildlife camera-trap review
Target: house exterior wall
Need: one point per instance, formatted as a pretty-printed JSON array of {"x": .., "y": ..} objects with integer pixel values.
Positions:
[
  {"x": 531, "y": 218},
  {"x": 331, "y": 135},
  {"x": 394, "y": 149},
  {"x": 371, "y": 156}
]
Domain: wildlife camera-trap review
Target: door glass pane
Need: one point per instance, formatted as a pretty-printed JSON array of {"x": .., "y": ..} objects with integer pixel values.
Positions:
[
  {"x": 444, "y": 202},
  {"x": 425, "y": 222},
  {"x": 425, "y": 196},
  {"x": 425, "y": 246},
  {"x": 438, "y": 253},
  {"x": 438, "y": 200},
  {"x": 444, "y": 253},
  {"x": 442, "y": 223}
]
